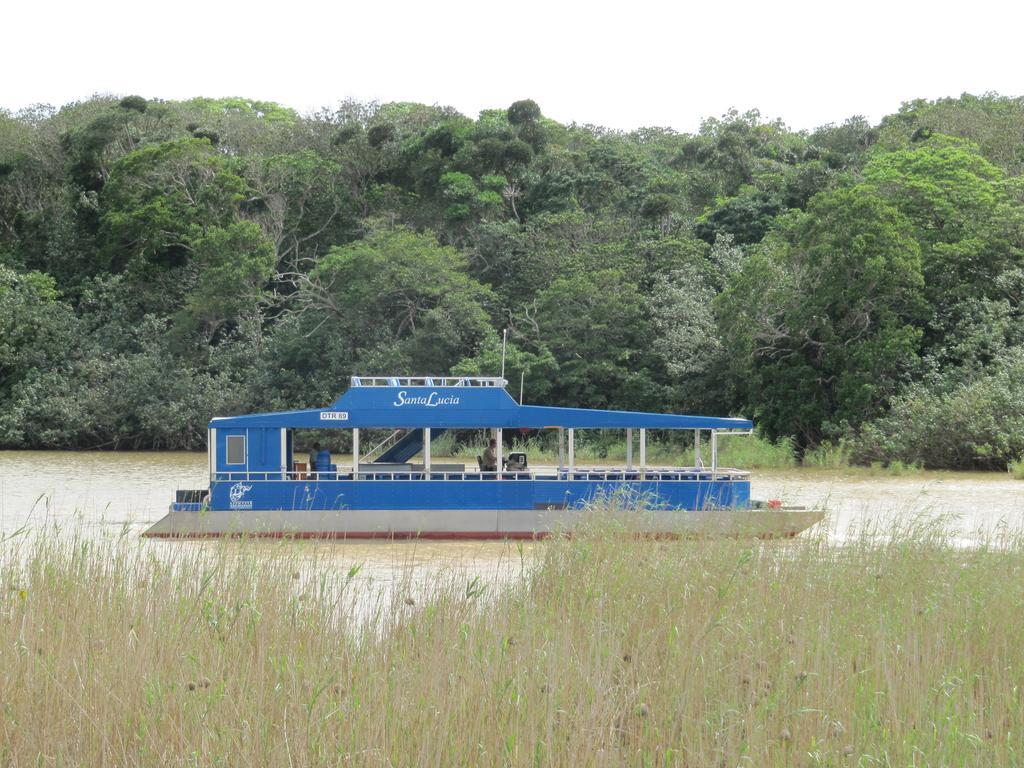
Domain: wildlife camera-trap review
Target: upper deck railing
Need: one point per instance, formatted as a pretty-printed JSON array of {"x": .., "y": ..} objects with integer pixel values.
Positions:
[
  {"x": 428, "y": 381},
  {"x": 604, "y": 474}
]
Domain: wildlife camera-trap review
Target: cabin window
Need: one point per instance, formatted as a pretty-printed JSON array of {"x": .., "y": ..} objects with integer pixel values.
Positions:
[{"x": 236, "y": 449}]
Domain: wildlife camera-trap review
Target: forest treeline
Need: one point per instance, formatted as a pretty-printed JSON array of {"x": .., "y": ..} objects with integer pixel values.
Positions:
[{"x": 162, "y": 262}]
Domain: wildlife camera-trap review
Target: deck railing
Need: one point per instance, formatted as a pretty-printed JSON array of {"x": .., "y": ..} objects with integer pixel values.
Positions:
[
  {"x": 603, "y": 474},
  {"x": 427, "y": 381}
]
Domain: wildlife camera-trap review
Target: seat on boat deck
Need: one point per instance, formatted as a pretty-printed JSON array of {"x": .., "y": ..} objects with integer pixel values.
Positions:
[{"x": 516, "y": 462}]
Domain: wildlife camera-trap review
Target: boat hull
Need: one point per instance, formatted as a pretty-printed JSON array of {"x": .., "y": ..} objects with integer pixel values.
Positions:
[{"x": 480, "y": 524}]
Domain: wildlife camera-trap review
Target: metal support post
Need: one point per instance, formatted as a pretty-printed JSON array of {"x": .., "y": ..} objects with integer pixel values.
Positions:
[
  {"x": 211, "y": 449},
  {"x": 572, "y": 450},
  {"x": 497, "y": 461},
  {"x": 284, "y": 453},
  {"x": 629, "y": 448},
  {"x": 426, "y": 453},
  {"x": 643, "y": 453},
  {"x": 355, "y": 453},
  {"x": 714, "y": 454},
  {"x": 698, "y": 462}
]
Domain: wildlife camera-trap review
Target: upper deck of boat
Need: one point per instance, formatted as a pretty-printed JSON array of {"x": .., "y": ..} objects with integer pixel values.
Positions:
[{"x": 413, "y": 411}]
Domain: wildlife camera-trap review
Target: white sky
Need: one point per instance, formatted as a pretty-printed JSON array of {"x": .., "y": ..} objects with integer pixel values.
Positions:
[{"x": 622, "y": 65}]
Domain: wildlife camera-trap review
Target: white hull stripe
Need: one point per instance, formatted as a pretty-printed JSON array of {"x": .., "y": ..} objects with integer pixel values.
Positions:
[{"x": 455, "y": 524}]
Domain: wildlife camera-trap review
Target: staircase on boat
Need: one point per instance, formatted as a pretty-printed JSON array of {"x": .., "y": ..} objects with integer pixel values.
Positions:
[{"x": 400, "y": 446}]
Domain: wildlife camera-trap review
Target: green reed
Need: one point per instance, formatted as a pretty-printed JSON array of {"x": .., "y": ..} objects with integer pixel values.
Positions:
[{"x": 899, "y": 647}]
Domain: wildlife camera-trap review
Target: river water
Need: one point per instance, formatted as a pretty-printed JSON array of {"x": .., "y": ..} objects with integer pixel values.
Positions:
[{"x": 99, "y": 492}]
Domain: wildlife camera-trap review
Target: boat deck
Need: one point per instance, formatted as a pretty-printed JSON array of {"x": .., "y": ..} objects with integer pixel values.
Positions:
[{"x": 672, "y": 487}]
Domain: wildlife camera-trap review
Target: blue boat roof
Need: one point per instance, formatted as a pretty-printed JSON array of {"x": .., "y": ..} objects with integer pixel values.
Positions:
[{"x": 459, "y": 403}]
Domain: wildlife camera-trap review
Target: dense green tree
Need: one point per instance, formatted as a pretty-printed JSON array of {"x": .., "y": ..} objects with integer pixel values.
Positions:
[
  {"x": 525, "y": 115},
  {"x": 823, "y": 321},
  {"x": 521, "y": 260},
  {"x": 234, "y": 264},
  {"x": 397, "y": 301},
  {"x": 943, "y": 186},
  {"x": 969, "y": 222},
  {"x": 161, "y": 197},
  {"x": 596, "y": 326},
  {"x": 844, "y": 145},
  {"x": 536, "y": 371},
  {"x": 735, "y": 151},
  {"x": 305, "y": 202},
  {"x": 995, "y": 123},
  {"x": 686, "y": 337},
  {"x": 829, "y": 283},
  {"x": 37, "y": 330},
  {"x": 746, "y": 217}
]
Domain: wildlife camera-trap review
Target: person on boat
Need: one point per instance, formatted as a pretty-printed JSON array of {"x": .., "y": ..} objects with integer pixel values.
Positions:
[
  {"x": 490, "y": 462},
  {"x": 312, "y": 457}
]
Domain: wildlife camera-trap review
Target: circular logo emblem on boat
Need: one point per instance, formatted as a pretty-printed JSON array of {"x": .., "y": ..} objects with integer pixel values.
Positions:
[{"x": 238, "y": 491}]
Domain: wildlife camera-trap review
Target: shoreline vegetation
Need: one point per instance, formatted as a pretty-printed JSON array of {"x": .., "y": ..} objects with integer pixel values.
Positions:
[
  {"x": 857, "y": 290},
  {"x": 894, "y": 647}
]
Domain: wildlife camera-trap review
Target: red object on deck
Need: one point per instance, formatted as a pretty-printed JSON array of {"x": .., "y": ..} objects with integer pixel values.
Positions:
[{"x": 774, "y": 503}]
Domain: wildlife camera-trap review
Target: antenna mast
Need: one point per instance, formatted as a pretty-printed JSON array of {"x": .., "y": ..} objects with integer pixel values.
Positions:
[{"x": 504, "y": 343}]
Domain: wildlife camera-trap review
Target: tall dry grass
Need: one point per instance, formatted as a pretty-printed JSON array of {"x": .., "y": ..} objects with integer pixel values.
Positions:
[{"x": 897, "y": 648}]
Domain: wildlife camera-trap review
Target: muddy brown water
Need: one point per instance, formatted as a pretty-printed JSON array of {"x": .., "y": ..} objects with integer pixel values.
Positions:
[{"x": 123, "y": 493}]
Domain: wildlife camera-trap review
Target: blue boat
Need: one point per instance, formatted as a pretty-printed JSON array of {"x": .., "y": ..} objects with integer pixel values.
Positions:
[{"x": 259, "y": 488}]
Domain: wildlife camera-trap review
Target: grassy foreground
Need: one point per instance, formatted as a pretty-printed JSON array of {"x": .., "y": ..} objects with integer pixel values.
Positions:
[{"x": 897, "y": 649}]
